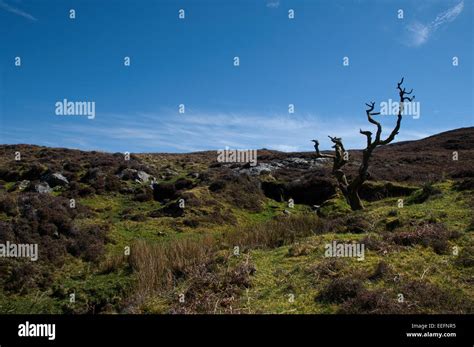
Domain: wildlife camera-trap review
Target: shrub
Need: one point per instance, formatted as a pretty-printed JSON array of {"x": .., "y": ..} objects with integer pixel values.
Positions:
[
  {"x": 183, "y": 183},
  {"x": 382, "y": 270},
  {"x": 435, "y": 235},
  {"x": 34, "y": 172},
  {"x": 214, "y": 288},
  {"x": 392, "y": 223},
  {"x": 465, "y": 184},
  {"x": 466, "y": 257},
  {"x": 427, "y": 191},
  {"x": 357, "y": 223},
  {"x": 164, "y": 191},
  {"x": 22, "y": 277},
  {"x": 143, "y": 194},
  {"x": 171, "y": 209},
  {"x": 328, "y": 267},
  {"x": 241, "y": 191},
  {"x": 340, "y": 289},
  {"x": 88, "y": 243},
  {"x": 48, "y": 221},
  {"x": 191, "y": 222},
  {"x": 112, "y": 183},
  {"x": 377, "y": 301},
  {"x": 425, "y": 297},
  {"x": 8, "y": 205}
]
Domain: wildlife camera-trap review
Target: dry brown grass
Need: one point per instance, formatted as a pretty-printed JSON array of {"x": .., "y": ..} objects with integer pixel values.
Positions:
[
  {"x": 274, "y": 233},
  {"x": 159, "y": 265}
]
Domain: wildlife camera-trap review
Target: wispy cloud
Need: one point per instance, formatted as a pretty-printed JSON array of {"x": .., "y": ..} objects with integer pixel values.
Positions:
[
  {"x": 419, "y": 33},
  {"x": 198, "y": 131},
  {"x": 15, "y": 10},
  {"x": 273, "y": 3}
]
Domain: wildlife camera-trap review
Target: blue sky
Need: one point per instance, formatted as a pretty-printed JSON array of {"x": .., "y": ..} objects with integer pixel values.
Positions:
[{"x": 190, "y": 62}]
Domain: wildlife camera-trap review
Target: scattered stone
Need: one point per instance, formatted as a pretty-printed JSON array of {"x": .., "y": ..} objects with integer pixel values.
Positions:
[
  {"x": 143, "y": 177},
  {"x": 169, "y": 173},
  {"x": 136, "y": 175},
  {"x": 56, "y": 179},
  {"x": 43, "y": 187}
]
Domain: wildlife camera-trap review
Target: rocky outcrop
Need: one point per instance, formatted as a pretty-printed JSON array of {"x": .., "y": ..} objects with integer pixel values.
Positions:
[
  {"x": 43, "y": 187},
  {"x": 288, "y": 163},
  {"x": 136, "y": 175},
  {"x": 56, "y": 179}
]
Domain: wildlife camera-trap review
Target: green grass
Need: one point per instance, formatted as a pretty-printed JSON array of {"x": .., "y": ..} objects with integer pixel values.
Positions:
[{"x": 279, "y": 274}]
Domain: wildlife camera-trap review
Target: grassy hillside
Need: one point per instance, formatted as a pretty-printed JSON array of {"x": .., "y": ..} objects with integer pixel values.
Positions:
[{"x": 182, "y": 233}]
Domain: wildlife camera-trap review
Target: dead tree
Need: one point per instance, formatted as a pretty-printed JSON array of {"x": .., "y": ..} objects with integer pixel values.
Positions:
[{"x": 350, "y": 190}]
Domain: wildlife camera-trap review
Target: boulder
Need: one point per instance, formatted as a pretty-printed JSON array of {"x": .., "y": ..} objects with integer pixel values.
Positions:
[
  {"x": 56, "y": 179},
  {"x": 260, "y": 169},
  {"x": 43, "y": 187},
  {"x": 143, "y": 177},
  {"x": 128, "y": 174},
  {"x": 136, "y": 175}
]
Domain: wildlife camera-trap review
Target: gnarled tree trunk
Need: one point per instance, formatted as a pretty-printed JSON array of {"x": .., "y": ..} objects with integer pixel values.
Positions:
[{"x": 341, "y": 157}]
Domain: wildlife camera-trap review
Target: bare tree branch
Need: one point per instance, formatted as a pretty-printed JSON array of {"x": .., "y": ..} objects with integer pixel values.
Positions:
[
  {"x": 403, "y": 98},
  {"x": 318, "y": 153},
  {"x": 351, "y": 190},
  {"x": 369, "y": 113},
  {"x": 369, "y": 137}
]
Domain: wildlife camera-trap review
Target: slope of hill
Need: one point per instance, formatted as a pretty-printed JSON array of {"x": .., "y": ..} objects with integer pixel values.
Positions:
[{"x": 183, "y": 233}]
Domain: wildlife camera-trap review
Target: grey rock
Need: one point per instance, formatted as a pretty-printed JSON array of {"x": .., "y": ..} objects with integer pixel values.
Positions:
[
  {"x": 43, "y": 187},
  {"x": 170, "y": 173},
  {"x": 128, "y": 174},
  {"x": 261, "y": 169},
  {"x": 137, "y": 176},
  {"x": 56, "y": 179},
  {"x": 288, "y": 163},
  {"x": 143, "y": 177}
]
